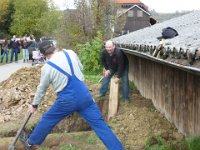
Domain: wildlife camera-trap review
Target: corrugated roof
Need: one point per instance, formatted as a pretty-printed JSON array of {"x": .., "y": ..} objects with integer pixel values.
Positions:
[
  {"x": 128, "y": 1},
  {"x": 185, "y": 44}
]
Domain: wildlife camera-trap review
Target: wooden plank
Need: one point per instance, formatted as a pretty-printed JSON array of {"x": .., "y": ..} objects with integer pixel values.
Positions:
[
  {"x": 190, "y": 103},
  {"x": 197, "y": 106},
  {"x": 113, "y": 98}
]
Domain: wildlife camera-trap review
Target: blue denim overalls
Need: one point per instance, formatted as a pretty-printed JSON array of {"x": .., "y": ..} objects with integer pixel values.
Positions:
[{"x": 75, "y": 97}]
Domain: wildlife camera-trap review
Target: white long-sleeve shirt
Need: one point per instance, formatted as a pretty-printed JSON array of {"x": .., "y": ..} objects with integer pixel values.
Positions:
[{"x": 50, "y": 75}]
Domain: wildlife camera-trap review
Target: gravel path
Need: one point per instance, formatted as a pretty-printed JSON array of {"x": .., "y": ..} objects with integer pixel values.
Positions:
[{"x": 8, "y": 69}]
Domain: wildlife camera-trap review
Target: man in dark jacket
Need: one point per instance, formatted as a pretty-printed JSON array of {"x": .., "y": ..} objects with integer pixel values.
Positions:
[
  {"x": 14, "y": 45},
  {"x": 115, "y": 62}
]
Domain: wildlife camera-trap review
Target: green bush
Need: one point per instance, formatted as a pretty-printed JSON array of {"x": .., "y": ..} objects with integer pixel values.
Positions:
[{"x": 89, "y": 54}]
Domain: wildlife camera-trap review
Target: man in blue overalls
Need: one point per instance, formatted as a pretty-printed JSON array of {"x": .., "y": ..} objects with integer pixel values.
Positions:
[{"x": 63, "y": 71}]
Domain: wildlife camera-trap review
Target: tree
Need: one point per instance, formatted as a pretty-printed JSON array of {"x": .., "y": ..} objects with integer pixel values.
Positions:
[
  {"x": 6, "y": 11},
  {"x": 81, "y": 25},
  {"x": 49, "y": 23},
  {"x": 3, "y": 10},
  {"x": 104, "y": 16},
  {"x": 36, "y": 17}
]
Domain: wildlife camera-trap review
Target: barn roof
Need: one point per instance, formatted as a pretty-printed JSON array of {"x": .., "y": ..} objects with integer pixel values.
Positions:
[{"x": 176, "y": 50}]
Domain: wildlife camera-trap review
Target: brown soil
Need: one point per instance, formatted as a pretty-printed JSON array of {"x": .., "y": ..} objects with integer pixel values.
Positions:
[{"x": 134, "y": 123}]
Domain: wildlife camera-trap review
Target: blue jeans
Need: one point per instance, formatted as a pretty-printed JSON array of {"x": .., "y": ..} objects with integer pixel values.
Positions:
[
  {"x": 25, "y": 54},
  {"x": 125, "y": 84},
  {"x": 6, "y": 52},
  {"x": 14, "y": 52}
]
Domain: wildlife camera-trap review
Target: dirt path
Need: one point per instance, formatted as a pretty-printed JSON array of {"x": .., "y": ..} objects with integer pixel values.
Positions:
[{"x": 8, "y": 69}]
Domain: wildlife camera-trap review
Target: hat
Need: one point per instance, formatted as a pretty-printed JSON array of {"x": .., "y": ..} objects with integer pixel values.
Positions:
[{"x": 45, "y": 45}]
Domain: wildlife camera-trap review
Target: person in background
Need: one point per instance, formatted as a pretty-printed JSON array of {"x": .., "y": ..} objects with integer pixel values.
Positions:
[
  {"x": 14, "y": 45},
  {"x": 25, "y": 49},
  {"x": 5, "y": 51},
  {"x": 31, "y": 47},
  {"x": 40, "y": 41},
  {"x": 63, "y": 71},
  {"x": 115, "y": 62}
]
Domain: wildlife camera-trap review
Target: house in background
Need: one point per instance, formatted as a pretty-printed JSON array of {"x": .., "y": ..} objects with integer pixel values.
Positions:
[{"x": 135, "y": 14}]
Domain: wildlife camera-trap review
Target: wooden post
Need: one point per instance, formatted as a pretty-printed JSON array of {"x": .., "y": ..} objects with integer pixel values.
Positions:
[{"x": 113, "y": 98}]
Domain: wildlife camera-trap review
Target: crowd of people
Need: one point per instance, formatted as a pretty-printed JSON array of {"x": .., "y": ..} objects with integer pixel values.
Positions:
[{"x": 27, "y": 45}]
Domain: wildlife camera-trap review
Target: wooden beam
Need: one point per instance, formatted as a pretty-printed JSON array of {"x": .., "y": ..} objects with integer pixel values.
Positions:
[{"x": 113, "y": 98}]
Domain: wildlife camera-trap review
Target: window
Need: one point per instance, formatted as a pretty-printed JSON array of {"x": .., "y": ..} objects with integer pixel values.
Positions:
[
  {"x": 130, "y": 13},
  {"x": 139, "y": 13}
]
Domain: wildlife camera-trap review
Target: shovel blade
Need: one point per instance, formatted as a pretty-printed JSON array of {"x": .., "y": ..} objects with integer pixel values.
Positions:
[{"x": 11, "y": 147}]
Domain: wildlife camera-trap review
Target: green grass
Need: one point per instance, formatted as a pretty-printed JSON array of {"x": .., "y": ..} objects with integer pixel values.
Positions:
[
  {"x": 92, "y": 77},
  {"x": 44, "y": 148},
  {"x": 156, "y": 143},
  {"x": 153, "y": 109},
  {"x": 20, "y": 56},
  {"x": 68, "y": 147},
  {"x": 132, "y": 86},
  {"x": 91, "y": 139},
  {"x": 194, "y": 143}
]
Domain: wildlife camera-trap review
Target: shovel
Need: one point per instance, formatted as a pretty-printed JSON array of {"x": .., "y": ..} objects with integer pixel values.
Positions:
[{"x": 12, "y": 145}]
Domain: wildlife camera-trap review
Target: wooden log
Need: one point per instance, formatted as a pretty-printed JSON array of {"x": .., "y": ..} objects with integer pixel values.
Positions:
[{"x": 113, "y": 98}]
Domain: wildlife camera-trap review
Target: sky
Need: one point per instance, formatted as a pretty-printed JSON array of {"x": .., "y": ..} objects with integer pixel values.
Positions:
[
  {"x": 163, "y": 6},
  {"x": 170, "y": 6}
]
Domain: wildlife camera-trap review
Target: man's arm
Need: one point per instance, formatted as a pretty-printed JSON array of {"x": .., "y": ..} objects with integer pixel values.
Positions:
[
  {"x": 106, "y": 68},
  {"x": 121, "y": 64},
  {"x": 42, "y": 87},
  {"x": 79, "y": 62},
  {"x": 103, "y": 60}
]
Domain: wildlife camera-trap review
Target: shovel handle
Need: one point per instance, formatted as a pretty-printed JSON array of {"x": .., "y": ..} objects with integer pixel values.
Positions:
[{"x": 26, "y": 119}]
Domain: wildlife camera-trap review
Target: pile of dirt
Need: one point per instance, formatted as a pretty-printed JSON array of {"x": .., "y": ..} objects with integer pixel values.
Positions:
[
  {"x": 18, "y": 92},
  {"x": 134, "y": 123},
  {"x": 139, "y": 121}
]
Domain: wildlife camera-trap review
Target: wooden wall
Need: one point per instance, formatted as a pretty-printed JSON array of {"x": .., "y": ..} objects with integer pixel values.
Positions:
[{"x": 174, "y": 92}]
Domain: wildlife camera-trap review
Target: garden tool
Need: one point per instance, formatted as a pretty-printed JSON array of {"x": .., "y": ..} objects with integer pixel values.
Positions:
[{"x": 12, "y": 145}]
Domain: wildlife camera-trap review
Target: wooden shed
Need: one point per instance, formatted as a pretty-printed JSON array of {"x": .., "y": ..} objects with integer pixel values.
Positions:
[
  {"x": 136, "y": 18},
  {"x": 169, "y": 75}
]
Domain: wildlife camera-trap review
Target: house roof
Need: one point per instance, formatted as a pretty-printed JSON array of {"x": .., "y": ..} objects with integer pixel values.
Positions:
[
  {"x": 132, "y": 8},
  {"x": 182, "y": 47},
  {"x": 128, "y": 1}
]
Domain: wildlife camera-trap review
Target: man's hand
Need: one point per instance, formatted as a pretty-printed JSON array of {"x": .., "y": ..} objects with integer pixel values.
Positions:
[
  {"x": 116, "y": 80},
  {"x": 107, "y": 73},
  {"x": 32, "y": 109}
]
